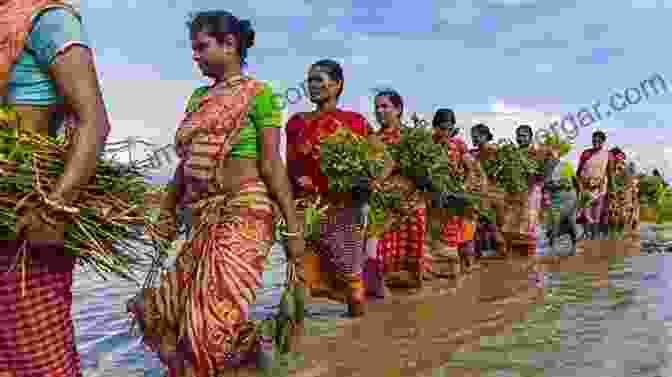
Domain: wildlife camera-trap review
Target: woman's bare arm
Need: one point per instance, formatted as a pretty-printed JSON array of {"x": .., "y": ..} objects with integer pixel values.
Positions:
[
  {"x": 75, "y": 75},
  {"x": 274, "y": 173}
]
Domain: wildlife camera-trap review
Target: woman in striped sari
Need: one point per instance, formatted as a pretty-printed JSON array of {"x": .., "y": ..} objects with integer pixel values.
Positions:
[
  {"x": 231, "y": 176},
  {"x": 342, "y": 231},
  {"x": 402, "y": 246},
  {"x": 47, "y": 74}
]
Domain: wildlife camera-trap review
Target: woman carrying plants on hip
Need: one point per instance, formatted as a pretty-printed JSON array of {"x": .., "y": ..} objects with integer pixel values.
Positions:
[
  {"x": 403, "y": 243},
  {"x": 231, "y": 176},
  {"x": 622, "y": 195},
  {"x": 342, "y": 230},
  {"x": 479, "y": 183},
  {"x": 47, "y": 74},
  {"x": 457, "y": 229}
]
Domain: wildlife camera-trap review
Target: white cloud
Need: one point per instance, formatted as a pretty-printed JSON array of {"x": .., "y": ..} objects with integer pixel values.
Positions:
[
  {"x": 462, "y": 13},
  {"x": 544, "y": 68}
]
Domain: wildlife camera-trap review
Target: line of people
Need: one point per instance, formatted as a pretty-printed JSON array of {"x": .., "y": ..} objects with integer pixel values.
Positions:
[{"x": 232, "y": 180}]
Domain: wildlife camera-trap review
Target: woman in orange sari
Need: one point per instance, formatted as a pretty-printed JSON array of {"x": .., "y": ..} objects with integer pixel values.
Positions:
[
  {"x": 342, "y": 231},
  {"x": 232, "y": 178},
  {"x": 402, "y": 247}
]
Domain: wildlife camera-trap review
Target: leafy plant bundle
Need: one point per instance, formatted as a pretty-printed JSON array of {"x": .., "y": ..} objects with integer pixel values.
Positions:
[
  {"x": 511, "y": 168},
  {"x": 345, "y": 155},
  {"x": 664, "y": 208},
  {"x": 418, "y": 156},
  {"x": 312, "y": 212},
  {"x": 106, "y": 220},
  {"x": 651, "y": 188}
]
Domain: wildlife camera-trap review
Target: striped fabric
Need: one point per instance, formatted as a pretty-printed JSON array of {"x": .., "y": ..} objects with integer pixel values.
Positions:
[
  {"x": 36, "y": 329},
  {"x": 343, "y": 251}
]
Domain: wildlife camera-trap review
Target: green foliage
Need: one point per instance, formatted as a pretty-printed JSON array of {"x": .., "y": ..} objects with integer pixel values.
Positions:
[{"x": 511, "y": 168}]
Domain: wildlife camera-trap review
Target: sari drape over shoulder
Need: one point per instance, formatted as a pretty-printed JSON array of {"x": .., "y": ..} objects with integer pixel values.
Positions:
[
  {"x": 201, "y": 311},
  {"x": 342, "y": 244}
]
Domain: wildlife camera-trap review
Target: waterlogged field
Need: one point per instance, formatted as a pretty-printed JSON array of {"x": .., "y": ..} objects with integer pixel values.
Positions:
[{"x": 604, "y": 316}]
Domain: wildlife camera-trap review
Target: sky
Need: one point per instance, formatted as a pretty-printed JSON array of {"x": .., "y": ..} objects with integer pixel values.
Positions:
[{"x": 488, "y": 56}]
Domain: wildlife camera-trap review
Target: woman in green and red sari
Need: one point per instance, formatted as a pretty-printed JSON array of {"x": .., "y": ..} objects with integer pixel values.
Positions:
[
  {"x": 591, "y": 175},
  {"x": 232, "y": 177},
  {"x": 343, "y": 231},
  {"x": 402, "y": 247}
]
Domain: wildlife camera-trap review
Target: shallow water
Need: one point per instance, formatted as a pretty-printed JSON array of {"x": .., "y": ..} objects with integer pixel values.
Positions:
[{"x": 603, "y": 323}]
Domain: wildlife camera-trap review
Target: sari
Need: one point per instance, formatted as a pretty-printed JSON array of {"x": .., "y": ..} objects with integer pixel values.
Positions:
[
  {"x": 402, "y": 247},
  {"x": 592, "y": 176},
  {"x": 456, "y": 240},
  {"x": 342, "y": 244},
  {"x": 490, "y": 200},
  {"x": 523, "y": 209},
  {"x": 198, "y": 318},
  {"x": 622, "y": 202},
  {"x": 37, "y": 336}
]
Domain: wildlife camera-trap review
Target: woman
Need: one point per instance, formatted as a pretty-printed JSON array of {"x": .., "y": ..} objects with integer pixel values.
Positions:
[
  {"x": 478, "y": 182},
  {"x": 527, "y": 214},
  {"x": 622, "y": 195},
  {"x": 591, "y": 177},
  {"x": 456, "y": 231},
  {"x": 342, "y": 232},
  {"x": 230, "y": 176},
  {"x": 47, "y": 75},
  {"x": 402, "y": 246}
]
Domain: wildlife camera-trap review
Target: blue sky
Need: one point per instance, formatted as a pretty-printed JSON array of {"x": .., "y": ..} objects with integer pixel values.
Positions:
[{"x": 472, "y": 56}]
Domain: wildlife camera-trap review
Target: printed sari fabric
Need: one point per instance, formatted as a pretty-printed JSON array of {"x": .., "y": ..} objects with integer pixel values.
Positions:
[
  {"x": 342, "y": 246},
  {"x": 201, "y": 311},
  {"x": 622, "y": 196},
  {"x": 202, "y": 308},
  {"x": 592, "y": 177},
  {"x": 403, "y": 245},
  {"x": 37, "y": 335},
  {"x": 36, "y": 330}
]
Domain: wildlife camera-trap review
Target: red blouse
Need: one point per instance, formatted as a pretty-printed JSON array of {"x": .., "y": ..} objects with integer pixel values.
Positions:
[{"x": 303, "y": 143}]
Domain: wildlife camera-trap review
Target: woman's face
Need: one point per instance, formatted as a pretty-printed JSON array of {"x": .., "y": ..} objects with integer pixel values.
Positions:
[
  {"x": 598, "y": 141},
  {"x": 212, "y": 57},
  {"x": 386, "y": 112},
  {"x": 478, "y": 137},
  {"x": 320, "y": 86}
]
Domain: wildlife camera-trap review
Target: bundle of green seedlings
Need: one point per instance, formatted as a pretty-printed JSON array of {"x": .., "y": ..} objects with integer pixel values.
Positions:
[
  {"x": 105, "y": 231},
  {"x": 512, "y": 167},
  {"x": 418, "y": 156},
  {"x": 345, "y": 155}
]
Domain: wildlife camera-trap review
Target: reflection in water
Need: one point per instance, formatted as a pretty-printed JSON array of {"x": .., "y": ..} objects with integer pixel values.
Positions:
[{"x": 512, "y": 318}]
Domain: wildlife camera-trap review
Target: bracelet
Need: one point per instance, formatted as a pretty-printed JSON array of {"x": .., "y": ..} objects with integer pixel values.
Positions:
[{"x": 292, "y": 235}]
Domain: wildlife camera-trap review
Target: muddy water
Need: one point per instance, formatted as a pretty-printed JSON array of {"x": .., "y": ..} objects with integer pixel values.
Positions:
[{"x": 602, "y": 312}]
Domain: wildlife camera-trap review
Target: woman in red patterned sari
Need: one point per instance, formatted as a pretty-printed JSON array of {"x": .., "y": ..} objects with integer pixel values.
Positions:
[
  {"x": 402, "y": 246},
  {"x": 342, "y": 232}
]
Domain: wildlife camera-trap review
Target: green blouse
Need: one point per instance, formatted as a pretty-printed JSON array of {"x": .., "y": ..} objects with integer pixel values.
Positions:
[{"x": 265, "y": 114}]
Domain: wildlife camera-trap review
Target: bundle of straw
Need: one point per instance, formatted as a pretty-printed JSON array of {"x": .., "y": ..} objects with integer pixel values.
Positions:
[{"x": 104, "y": 225}]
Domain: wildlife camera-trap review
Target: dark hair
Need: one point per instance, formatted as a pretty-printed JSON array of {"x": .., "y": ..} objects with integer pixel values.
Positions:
[
  {"x": 219, "y": 24},
  {"x": 525, "y": 126},
  {"x": 334, "y": 70},
  {"x": 483, "y": 128},
  {"x": 601, "y": 134},
  {"x": 616, "y": 151},
  {"x": 443, "y": 115},
  {"x": 394, "y": 97}
]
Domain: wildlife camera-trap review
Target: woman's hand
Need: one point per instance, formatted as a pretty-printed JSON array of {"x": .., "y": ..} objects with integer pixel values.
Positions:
[{"x": 32, "y": 226}]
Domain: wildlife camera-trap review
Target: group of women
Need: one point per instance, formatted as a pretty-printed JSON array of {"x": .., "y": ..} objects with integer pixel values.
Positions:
[{"x": 232, "y": 180}]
